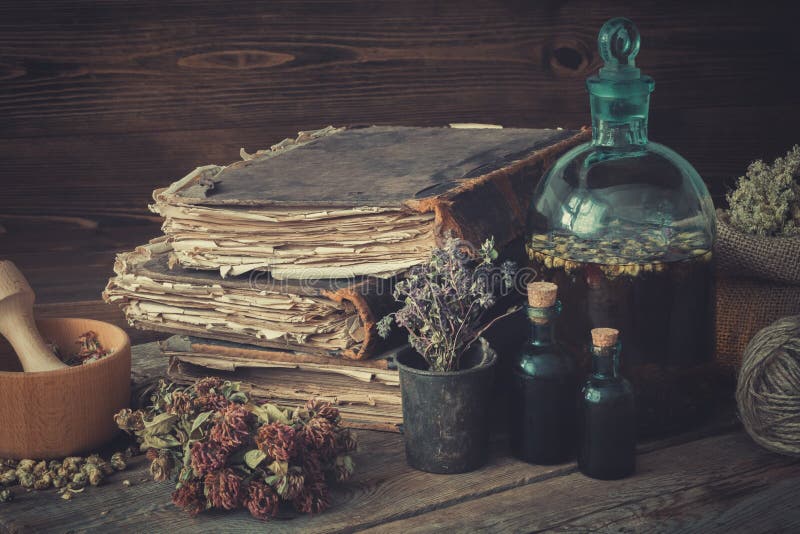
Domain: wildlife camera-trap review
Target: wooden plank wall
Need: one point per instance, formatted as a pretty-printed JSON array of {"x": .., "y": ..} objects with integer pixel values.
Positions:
[{"x": 100, "y": 102}]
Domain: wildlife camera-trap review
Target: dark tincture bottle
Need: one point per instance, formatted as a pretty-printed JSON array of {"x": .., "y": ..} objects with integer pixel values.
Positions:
[
  {"x": 543, "y": 386},
  {"x": 607, "y": 417}
]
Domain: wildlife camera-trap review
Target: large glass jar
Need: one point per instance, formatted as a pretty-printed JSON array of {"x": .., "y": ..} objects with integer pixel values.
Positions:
[{"x": 625, "y": 228}]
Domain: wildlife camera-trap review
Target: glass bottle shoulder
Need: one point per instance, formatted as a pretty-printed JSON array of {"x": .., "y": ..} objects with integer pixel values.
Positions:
[
  {"x": 545, "y": 362},
  {"x": 594, "y": 191},
  {"x": 606, "y": 390}
]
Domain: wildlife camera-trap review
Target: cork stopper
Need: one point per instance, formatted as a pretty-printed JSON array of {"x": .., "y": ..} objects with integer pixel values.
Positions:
[
  {"x": 604, "y": 337},
  {"x": 542, "y": 294}
]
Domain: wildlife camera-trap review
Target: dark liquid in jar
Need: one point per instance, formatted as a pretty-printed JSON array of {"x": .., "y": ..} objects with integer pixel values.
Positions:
[{"x": 662, "y": 303}]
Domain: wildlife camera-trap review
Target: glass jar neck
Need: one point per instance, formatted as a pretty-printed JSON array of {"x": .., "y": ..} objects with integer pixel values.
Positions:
[
  {"x": 543, "y": 323},
  {"x": 630, "y": 133},
  {"x": 605, "y": 361}
]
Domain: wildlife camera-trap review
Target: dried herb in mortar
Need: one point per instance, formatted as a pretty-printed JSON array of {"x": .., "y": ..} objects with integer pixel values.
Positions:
[{"x": 89, "y": 350}]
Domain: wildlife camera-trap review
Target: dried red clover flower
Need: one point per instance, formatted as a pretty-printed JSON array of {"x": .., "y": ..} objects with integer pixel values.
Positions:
[
  {"x": 277, "y": 441},
  {"x": 262, "y": 502},
  {"x": 206, "y": 457},
  {"x": 210, "y": 401},
  {"x": 224, "y": 489},
  {"x": 232, "y": 429},
  {"x": 189, "y": 497},
  {"x": 129, "y": 420},
  {"x": 205, "y": 385},
  {"x": 319, "y": 435},
  {"x": 313, "y": 499},
  {"x": 181, "y": 403},
  {"x": 346, "y": 441},
  {"x": 291, "y": 485},
  {"x": 323, "y": 409}
]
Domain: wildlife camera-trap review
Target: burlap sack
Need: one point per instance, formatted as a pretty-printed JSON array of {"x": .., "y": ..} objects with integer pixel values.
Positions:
[
  {"x": 766, "y": 258},
  {"x": 758, "y": 282},
  {"x": 745, "y": 306}
]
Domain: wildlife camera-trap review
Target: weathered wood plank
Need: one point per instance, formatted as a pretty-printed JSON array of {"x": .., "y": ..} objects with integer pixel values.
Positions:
[
  {"x": 705, "y": 485},
  {"x": 384, "y": 489}
]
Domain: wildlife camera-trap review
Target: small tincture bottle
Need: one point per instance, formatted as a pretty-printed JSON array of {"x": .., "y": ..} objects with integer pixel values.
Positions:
[
  {"x": 543, "y": 386},
  {"x": 606, "y": 421}
]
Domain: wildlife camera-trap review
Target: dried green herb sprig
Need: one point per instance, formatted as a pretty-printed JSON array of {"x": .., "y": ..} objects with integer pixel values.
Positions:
[
  {"x": 766, "y": 200},
  {"x": 227, "y": 452}
]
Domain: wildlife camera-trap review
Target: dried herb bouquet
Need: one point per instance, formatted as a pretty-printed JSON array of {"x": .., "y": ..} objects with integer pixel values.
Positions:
[
  {"x": 445, "y": 300},
  {"x": 227, "y": 452}
]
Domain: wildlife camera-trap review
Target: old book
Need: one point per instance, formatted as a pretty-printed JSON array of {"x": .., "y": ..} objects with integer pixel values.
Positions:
[
  {"x": 367, "y": 393},
  {"x": 326, "y": 317},
  {"x": 348, "y": 202}
]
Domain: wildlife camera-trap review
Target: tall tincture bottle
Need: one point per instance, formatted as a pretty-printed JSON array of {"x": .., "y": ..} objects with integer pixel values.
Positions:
[
  {"x": 543, "y": 386},
  {"x": 606, "y": 421}
]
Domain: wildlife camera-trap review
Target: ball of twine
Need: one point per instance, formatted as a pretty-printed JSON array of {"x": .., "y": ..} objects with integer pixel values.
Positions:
[{"x": 768, "y": 391}]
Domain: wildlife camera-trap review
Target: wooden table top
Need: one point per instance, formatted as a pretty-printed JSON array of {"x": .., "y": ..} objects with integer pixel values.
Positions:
[{"x": 711, "y": 480}]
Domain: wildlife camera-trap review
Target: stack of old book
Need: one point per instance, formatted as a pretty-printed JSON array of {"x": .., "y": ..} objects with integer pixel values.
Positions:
[{"x": 274, "y": 270}]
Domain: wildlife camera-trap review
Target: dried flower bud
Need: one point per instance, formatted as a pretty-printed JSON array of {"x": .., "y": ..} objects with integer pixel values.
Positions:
[
  {"x": 129, "y": 420},
  {"x": 261, "y": 500},
  {"x": 290, "y": 485},
  {"x": 181, "y": 403},
  {"x": 206, "y": 385},
  {"x": 318, "y": 435},
  {"x": 118, "y": 461},
  {"x": 72, "y": 464},
  {"x": 210, "y": 401},
  {"x": 8, "y": 478},
  {"x": 189, "y": 497},
  {"x": 93, "y": 459},
  {"x": 277, "y": 441},
  {"x": 26, "y": 479},
  {"x": 343, "y": 467},
  {"x": 224, "y": 489},
  {"x": 6, "y": 495},
  {"x": 94, "y": 475},
  {"x": 206, "y": 457},
  {"x": 79, "y": 481},
  {"x": 161, "y": 467},
  {"x": 232, "y": 429},
  {"x": 313, "y": 499},
  {"x": 59, "y": 481},
  {"x": 151, "y": 454},
  {"x": 323, "y": 409},
  {"x": 346, "y": 441},
  {"x": 67, "y": 495},
  {"x": 43, "y": 481},
  {"x": 26, "y": 465},
  {"x": 40, "y": 468},
  {"x": 53, "y": 465}
]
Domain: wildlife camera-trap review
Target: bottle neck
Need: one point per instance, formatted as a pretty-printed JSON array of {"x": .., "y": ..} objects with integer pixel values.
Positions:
[
  {"x": 605, "y": 361},
  {"x": 631, "y": 133},
  {"x": 543, "y": 325}
]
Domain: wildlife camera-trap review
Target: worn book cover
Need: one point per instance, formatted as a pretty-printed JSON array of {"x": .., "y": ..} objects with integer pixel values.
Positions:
[{"x": 348, "y": 202}]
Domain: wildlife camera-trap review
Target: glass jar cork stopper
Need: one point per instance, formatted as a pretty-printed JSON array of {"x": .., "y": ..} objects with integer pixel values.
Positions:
[
  {"x": 542, "y": 294},
  {"x": 604, "y": 337}
]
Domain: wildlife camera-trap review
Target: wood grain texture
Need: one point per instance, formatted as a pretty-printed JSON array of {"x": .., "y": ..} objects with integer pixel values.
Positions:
[
  {"x": 103, "y": 101},
  {"x": 712, "y": 484},
  {"x": 386, "y": 490}
]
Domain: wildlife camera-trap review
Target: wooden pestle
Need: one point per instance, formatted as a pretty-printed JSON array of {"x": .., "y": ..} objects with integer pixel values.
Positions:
[{"x": 17, "y": 324}]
